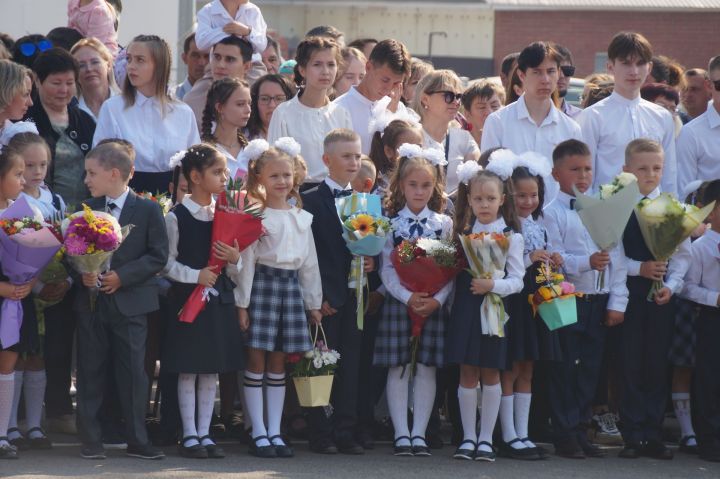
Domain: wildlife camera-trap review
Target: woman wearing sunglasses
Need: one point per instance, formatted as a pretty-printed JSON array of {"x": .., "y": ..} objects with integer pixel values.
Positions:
[
  {"x": 27, "y": 49},
  {"x": 96, "y": 81},
  {"x": 437, "y": 101}
]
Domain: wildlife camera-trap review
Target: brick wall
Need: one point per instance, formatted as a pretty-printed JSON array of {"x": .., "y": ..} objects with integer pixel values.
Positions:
[{"x": 691, "y": 38}]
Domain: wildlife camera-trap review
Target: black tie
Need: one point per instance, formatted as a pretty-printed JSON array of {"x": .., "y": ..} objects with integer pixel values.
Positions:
[
  {"x": 110, "y": 207},
  {"x": 572, "y": 204},
  {"x": 341, "y": 193}
]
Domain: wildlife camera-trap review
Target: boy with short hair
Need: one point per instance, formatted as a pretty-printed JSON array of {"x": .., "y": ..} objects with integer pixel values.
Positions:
[
  {"x": 365, "y": 179},
  {"x": 574, "y": 378},
  {"x": 128, "y": 292},
  {"x": 609, "y": 125},
  {"x": 644, "y": 337},
  {"x": 329, "y": 435}
]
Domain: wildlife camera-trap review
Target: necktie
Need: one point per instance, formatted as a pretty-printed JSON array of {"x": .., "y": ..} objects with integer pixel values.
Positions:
[
  {"x": 416, "y": 226},
  {"x": 110, "y": 207},
  {"x": 572, "y": 204},
  {"x": 341, "y": 193}
]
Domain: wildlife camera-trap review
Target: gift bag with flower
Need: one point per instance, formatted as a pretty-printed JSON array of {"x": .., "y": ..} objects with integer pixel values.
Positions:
[
  {"x": 665, "y": 223},
  {"x": 365, "y": 230},
  {"x": 313, "y": 372},
  {"x": 554, "y": 300}
]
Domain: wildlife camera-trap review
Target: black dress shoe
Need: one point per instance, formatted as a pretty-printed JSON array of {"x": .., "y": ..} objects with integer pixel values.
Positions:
[
  {"x": 590, "y": 450},
  {"x": 7, "y": 451},
  {"x": 93, "y": 451},
  {"x": 19, "y": 443},
  {"x": 282, "y": 450},
  {"x": 213, "y": 450},
  {"x": 402, "y": 450},
  {"x": 196, "y": 451},
  {"x": 42, "y": 442},
  {"x": 541, "y": 452},
  {"x": 262, "y": 451},
  {"x": 466, "y": 450},
  {"x": 349, "y": 446},
  {"x": 323, "y": 446},
  {"x": 569, "y": 449},
  {"x": 526, "y": 453},
  {"x": 630, "y": 451},
  {"x": 146, "y": 451},
  {"x": 420, "y": 450},
  {"x": 656, "y": 450}
]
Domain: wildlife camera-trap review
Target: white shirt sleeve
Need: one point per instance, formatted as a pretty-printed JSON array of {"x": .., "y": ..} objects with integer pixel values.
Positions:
[
  {"x": 589, "y": 134},
  {"x": 389, "y": 276},
  {"x": 513, "y": 281},
  {"x": 206, "y": 36},
  {"x": 258, "y": 32},
  {"x": 687, "y": 158},
  {"x": 669, "y": 177},
  {"x": 492, "y": 132},
  {"x": 574, "y": 264},
  {"x": 246, "y": 275},
  {"x": 175, "y": 270},
  {"x": 618, "y": 280},
  {"x": 309, "y": 276},
  {"x": 678, "y": 266},
  {"x": 693, "y": 289}
]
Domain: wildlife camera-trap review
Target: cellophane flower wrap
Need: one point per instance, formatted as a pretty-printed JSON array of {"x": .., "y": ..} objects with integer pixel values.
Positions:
[
  {"x": 55, "y": 272},
  {"x": 486, "y": 255},
  {"x": 665, "y": 223},
  {"x": 365, "y": 231},
  {"x": 162, "y": 199},
  {"x": 27, "y": 245},
  {"x": 90, "y": 240},
  {"x": 553, "y": 288},
  {"x": 424, "y": 265},
  {"x": 236, "y": 219},
  {"x": 606, "y": 216}
]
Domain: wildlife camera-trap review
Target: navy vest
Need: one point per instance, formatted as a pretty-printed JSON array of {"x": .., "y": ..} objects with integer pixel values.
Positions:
[{"x": 635, "y": 248}]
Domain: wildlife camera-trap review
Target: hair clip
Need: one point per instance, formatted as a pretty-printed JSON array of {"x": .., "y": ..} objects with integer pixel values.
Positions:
[
  {"x": 536, "y": 164},
  {"x": 381, "y": 117},
  {"x": 253, "y": 150},
  {"x": 15, "y": 129},
  {"x": 502, "y": 163},
  {"x": 288, "y": 145},
  {"x": 467, "y": 170}
]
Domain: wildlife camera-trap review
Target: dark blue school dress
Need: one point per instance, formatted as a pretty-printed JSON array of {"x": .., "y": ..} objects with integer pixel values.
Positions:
[{"x": 213, "y": 342}]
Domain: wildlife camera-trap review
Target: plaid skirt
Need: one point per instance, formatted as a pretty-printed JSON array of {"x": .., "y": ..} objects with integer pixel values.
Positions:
[
  {"x": 277, "y": 312},
  {"x": 392, "y": 343},
  {"x": 682, "y": 350}
]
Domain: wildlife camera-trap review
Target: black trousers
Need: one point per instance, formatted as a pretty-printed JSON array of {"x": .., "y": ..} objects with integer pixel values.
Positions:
[
  {"x": 59, "y": 337},
  {"x": 707, "y": 378},
  {"x": 103, "y": 335},
  {"x": 343, "y": 336},
  {"x": 371, "y": 378},
  {"x": 643, "y": 345},
  {"x": 573, "y": 379}
]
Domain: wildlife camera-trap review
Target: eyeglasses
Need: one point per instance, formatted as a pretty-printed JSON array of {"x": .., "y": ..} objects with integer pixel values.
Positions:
[
  {"x": 94, "y": 64},
  {"x": 28, "y": 49},
  {"x": 568, "y": 70},
  {"x": 266, "y": 99},
  {"x": 449, "y": 96},
  {"x": 716, "y": 84}
]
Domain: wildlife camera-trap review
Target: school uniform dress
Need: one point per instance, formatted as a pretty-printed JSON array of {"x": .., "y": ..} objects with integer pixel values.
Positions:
[
  {"x": 213, "y": 342},
  {"x": 573, "y": 380},
  {"x": 701, "y": 286},
  {"x": 279, "y": 282},
  {"x": 392, "y": 343},
  {"x": 466, "y": 344},
  {"x": 644, "y": 340}
]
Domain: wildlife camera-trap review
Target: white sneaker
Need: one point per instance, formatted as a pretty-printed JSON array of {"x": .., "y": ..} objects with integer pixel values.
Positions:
[{"x": 606, "y": 431}]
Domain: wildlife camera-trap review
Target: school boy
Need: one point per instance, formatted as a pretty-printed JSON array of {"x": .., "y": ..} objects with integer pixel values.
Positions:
[
  {"x": 574, "y": 378},
  {"x": 117, "y": 328}
]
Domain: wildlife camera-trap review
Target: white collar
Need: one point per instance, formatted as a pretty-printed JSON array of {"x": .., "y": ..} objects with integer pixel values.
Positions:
[
  {"x": 217, "y": 8},
  {"x": 496, "y": 226},
  {"x": 141, "y": 99},
  {"x": 652, "y": 195},
  {"x": 425, "y": 213},
  {"x": 335, "y": 186},
  {"x": 712, "y": 115},
  {"x": 353, "y": 91},
  {"x": 564, "y": 199},
  {"x": 618, "y": 98},
  {"x": 552, "y": 116},
  {"x": 119, "y": 202},
  {"x": 193, "y": 207}
]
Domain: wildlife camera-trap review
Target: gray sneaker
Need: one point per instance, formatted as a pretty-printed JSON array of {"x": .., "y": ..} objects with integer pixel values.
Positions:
[{"x": 606, "y": 431}]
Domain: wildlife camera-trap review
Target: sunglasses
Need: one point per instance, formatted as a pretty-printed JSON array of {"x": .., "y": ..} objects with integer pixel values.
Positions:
[
  {"x": 449, "y": 96},
  {"x": 568, "y": 70},
  {"x": 29, "y": 49}
]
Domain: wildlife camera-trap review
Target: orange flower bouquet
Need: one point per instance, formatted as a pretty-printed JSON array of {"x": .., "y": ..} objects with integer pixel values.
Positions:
[{"x": 555, "y": 299}]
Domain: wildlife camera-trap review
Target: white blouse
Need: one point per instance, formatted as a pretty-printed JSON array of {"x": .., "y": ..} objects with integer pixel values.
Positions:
[
  {"x": 287, "y": 244},
  {"x": 179, "y": 272},
  {"x": 308, "y": 126},
  {"x": 237, "y": 167},
  {"x": 461, "y": 147},
  {"x": 44, "y": 202},
  {"x": 155, "y": 137},
  {"x": 515, "y": 271},
  {"x": 535, "y": 237},
  {"x": 430, "y": 222}
]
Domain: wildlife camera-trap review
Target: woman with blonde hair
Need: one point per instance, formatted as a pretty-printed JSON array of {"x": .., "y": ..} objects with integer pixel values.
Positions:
[
  {"x": 96, "y": 82},
  {"x": 351, "y": 71},
  {"x": 15, "y": 89}
]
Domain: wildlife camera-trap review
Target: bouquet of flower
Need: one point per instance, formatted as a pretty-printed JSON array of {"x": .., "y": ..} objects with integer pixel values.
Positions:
[
  {"x": 26, "y": 246},
  {"x": 605, "y": 217},
  {"x": 555, "y": 299},
  {"x": 665, "y": 223},
  {"x": 365, "y": 230},
  {"x": 486, "y": 254},
  {"x": 236, "y": 219},
  {"x": 161, "y": 199},
  {"x": 313, "y": 372},
  {"x": 424, "y": 265},
  {"x": 91, "y": 239}
]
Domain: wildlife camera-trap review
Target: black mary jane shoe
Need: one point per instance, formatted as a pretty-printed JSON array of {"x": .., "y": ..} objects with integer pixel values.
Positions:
[
  {"x": 402, "y": 450},
  {"x": 506, "y": 449},
  {"x": 262, "y": 451},
  {"x": 282, "y": 450},
  {"x": 7, "y": 451},
  {"x": 196, "y": 451},
  {"x": 422, "y": 450},
  {"x": 465, "y": 453},
  {"x": 541, "y": 452},
  {"x": 487, "y": 456},
  {"x": 19, "y": 443},
  {"x": 42, "y": 442},
  {"x": 213, "y": 450}
]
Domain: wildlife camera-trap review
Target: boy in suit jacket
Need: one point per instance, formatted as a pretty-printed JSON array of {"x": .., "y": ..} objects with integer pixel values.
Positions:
[
  {"x": 342, "y": 157},
  {"x": 128, "y": 292}
]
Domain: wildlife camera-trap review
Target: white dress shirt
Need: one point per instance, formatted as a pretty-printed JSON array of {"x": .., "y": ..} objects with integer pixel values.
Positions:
[
  {"x": 400, "y": 223},
  {"x": 179, "y": 272},
  {"x": 82, "y": 104},
  {"x": 119, "y": 202},
  {"x": 568, "y": 236},
  {"x": 702, "y": 282},
  {"x": 677, "y": 266},
  {"x": 213, "y": 17},
  {"x": 461, "y": 147},
  {"x": 514, "y": 267},
  {"x": 238, "y": 167},
  {"x": 512, "y": 127},
  {"x": 183, "y": 88},
  {"x": 155, "y": 137},
  {"x": 288, "y": 244},
  {"x": 609, "y": 125},
  {"x": 535, "y": 237},
  {"x": 308, "y": 126},
  {"x": 698, "y": 148}
]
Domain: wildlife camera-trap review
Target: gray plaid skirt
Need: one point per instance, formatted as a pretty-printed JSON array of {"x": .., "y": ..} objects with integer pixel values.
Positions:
[
  {"x": 277, "y": 312},
  {"x": 392, "y": 343},
  {"x": 682, "y": 350}
]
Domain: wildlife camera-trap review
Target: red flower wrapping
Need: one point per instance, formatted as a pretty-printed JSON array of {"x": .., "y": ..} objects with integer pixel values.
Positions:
[{"x": 228, "y": 226}]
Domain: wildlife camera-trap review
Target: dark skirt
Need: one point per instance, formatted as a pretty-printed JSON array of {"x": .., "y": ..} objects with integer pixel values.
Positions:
[
  {"x": 682, "y": 349},
  {"x": 521, "y": 330},
  {"x": 392, "y": 343},
  {"x": 29, "y": 338},
  {"x": 213, "y": 342},
  {"x": 547, "y": 342},
  {"x": 465, "y": 342}
]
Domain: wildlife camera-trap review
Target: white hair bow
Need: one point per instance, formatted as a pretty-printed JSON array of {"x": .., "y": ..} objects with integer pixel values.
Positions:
[
  {"x": 433, "y": 156},
  {"x": 502, "y": 163},
  {"x": 467, "y": 170},
  {"x": 15, "y": 129},
  {"x": 253, "y": 151},
  {"x": 537, "y": 164},
  {"x": 177, "y": 158},
  {"x": 289, "y": 145},
  {"x": 381, "y": 116}
]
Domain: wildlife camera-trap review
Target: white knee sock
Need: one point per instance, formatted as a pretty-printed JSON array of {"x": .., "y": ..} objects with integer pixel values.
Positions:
[
  {"x": 468, "y": 401},
  {"x": 423, "y": 401},
  {"x": 681, "y": 404},
  {"x": 489, "y": 412},
  {"x": 522, "y": 416},
  {"x": 275, "y": 394},
  {"x": 34, "y": 388},
  {"x": 507, "y": 422},
  {"x": 186, "y": 402},
  {"x": 397, "y": 398},
  {"x": 253, "y": 388},
  {"x": 206, "y": 388},
  {"x": 17, "y": 391},
  {"x": 7, "y": 390}
]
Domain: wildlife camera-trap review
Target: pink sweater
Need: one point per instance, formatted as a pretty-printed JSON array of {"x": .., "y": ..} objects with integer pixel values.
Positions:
[{"x": 96, "y": 19}]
